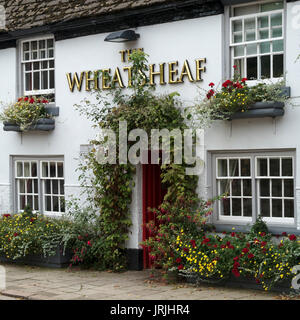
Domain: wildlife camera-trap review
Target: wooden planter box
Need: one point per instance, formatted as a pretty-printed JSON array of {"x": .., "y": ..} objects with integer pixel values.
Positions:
[
  {"x": 261, "y": 110},
  {"x": 44, "y": 124},
  {"x": 57, "y": 261},
  {"x": 241, "y": 282}
]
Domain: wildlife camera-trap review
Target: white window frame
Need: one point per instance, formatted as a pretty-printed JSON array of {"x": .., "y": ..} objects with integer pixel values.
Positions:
[
  {"x": 41, "y": 183},
  {"x": 218, "y": 218},
  {"x": 232, "y": 45},
  {"x": 42, "y": 92}
]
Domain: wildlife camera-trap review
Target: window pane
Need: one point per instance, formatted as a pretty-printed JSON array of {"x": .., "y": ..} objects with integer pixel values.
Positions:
[
  {"x": 45, "y": 80},
  {"x": 52, "y": 169},
  {"x": 55, "y": 186},
  {"x": 36, "y": 81},
  {"x": 51, "y": 64},
  {"x": 50, "y": 43},
  {"x": 240, "y": 68},
  {"x": 263, "y": 22},
  {"x": 33, "y": 169},
  {"x": 289, "y": 188},
  {"x": 224, "y": 186},
  {"x": 26, "y": 56},
  {"x": 236, "y": 187},
  {"x": 265, "y": 207},
  {"x": 48, "y": 186},
  {"x": 247, "y": 188},
  {"x": 51, "y": 79},
  {"x": 36, "y": 203},
  {"x": 245, "y": 168},
  {"x": 233, "y": 167},
  {"x": 42, "y": 44},
  {"x": 30, "y": 202},
  {"x": 271, "y": 6},
  {"x": 239, "y": 51},
  {"x": 237, "y": 25},
  {"x": 249, "y": 24},
  {"x": 276, "y": 19},
  {"x": 28, "y": 66},
  {"x": 240, "y": 11},
  {"x": 250, "y": 35},
  {"x": 264, "y": 188},
  {"x": 277, "y": 66},
  {"x": 225, "y": 207},
  {"x": 222, "y": 168},
  {"x": 251, "y": 49},
  {"x": 44, "y": 64},
  {"x": 26, "y": 46},
  {"x": 265, "y": 63},
  {"x": 62, "y": 187},
  {"x": 60, "y": 169},
  {"x": 28, "y": 81},
  {"x": 26, "y": 169},
  {"x": 36, "y": 186},
  {"x": 265, "y": 47},
  {"x": 278, "y": 46},
  {"x": 19, "y": 169},
  {"x": 22, "y": 186},
  {"x": 29, "y": 186},
  {"x": 55, "y": 204},
  {"x": 264, "y": 34},
  {"x": 274, "y": 167},
  {"x": 276, "y": 32},
  {"x": 252, "y": 68},
  {"x": 289, "y": 208},
  {"x": 262, "y": 170},
  {"x": 238, "y": 37},
  {"x": 51, "y": 53},
  {"x": 236, "y": 207},
  {"x": 247, "y": 207},
  {"x": 287, "y": 167},
  {"x": 48, "y": 204},
  {"x": 34, "y": 55},
  {"x": 45, "y": 170},
  {"x": 276, "y": 208},
  {"x": 22, "y": 202},
  {"x": 276, "y": 188}
]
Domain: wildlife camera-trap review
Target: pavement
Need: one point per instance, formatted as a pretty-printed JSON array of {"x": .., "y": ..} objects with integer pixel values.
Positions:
[{"x": 34, "y": 283}]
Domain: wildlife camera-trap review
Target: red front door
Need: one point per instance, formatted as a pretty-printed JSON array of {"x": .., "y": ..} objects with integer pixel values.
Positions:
[{"x": 153, "y": 194}]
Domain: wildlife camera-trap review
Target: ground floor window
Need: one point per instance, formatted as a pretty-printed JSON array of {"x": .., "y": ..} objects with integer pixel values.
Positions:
[
  {"x": 256, "y": 184},
  {"x": 39, "y": 184}
]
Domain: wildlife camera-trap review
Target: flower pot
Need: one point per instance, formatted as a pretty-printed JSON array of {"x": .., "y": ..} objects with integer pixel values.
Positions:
[{"x": 45, "y": 124}]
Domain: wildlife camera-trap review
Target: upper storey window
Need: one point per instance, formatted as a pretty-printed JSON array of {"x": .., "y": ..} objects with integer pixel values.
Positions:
[
  {"x": 257, "y": 40},
  {"x": 37, "y": 63}
]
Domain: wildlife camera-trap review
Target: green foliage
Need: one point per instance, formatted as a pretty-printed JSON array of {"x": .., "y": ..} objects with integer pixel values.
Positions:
[
  {"x": 27, "y": 233},
  {"x": 112, "y": 184},
  {"x": 25, "y": 112},
  {"x": 214, "y": 258},
  {"x": 259, "y": 226}
]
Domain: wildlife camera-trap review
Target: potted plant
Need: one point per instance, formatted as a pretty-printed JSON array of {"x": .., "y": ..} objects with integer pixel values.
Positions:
[
  {"x": 28, "y": 113},
  {"x": 237, "y": 100}
]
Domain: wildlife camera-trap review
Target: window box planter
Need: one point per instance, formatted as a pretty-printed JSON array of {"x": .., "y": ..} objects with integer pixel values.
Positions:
[
  {"x": 44, "y": 124},
  {"x": 57, "y": 261},
  {"x": 240, "y": 282},
  {"x": 261, "y": 110}
]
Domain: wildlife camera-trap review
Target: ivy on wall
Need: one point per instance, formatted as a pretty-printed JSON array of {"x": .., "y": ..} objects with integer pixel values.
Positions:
[{"x": 110, "y": 185}]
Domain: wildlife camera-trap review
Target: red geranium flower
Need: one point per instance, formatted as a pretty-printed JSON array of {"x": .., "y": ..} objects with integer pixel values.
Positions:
[
  {"x": 263, "y": 234},
  {"x": 236, "y": 258},
  {"x": 180, "y": 267},
  {"x": 245, "y": 250},
  {"x": 178, "y": 260},
  {"x": 26, "y": 99},
  {"x": 31, "y": 100},
  {"x": 193, "y": 243},
  {"x": 16, "y": 234},
  {"x": 263, "y": 243},
  {"x": 234, "y": 67},
  {"x": 211, "y": 84},
  {"x": 89, "y": 243},
  {"x": 185, "y": 249},
  {"x": 284, "y": 234},
  {"x": 250, "y": 255},
  {"x": 244, "y": 80},
  {"x": 6, "y": 215},
  {"x": 233, "y": 234},
  {"x": 45, "y": 101},
  {"x": 292, "y": 237}
]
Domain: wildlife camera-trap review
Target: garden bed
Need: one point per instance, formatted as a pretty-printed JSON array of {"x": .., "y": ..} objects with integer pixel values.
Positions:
[{"x": 59, "y": 260}]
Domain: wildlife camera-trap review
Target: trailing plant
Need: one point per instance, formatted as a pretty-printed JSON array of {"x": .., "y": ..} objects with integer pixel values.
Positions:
[
  {"x": 25, "y": 112},
  {"x": 235, "y": 95}
]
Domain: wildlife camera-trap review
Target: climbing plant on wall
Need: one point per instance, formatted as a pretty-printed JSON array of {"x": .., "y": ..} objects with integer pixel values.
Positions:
[{"x": 110, "y": 185}]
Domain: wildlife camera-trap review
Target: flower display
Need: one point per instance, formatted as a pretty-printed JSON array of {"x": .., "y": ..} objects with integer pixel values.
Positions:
[{"x": 25, "y": 112}]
